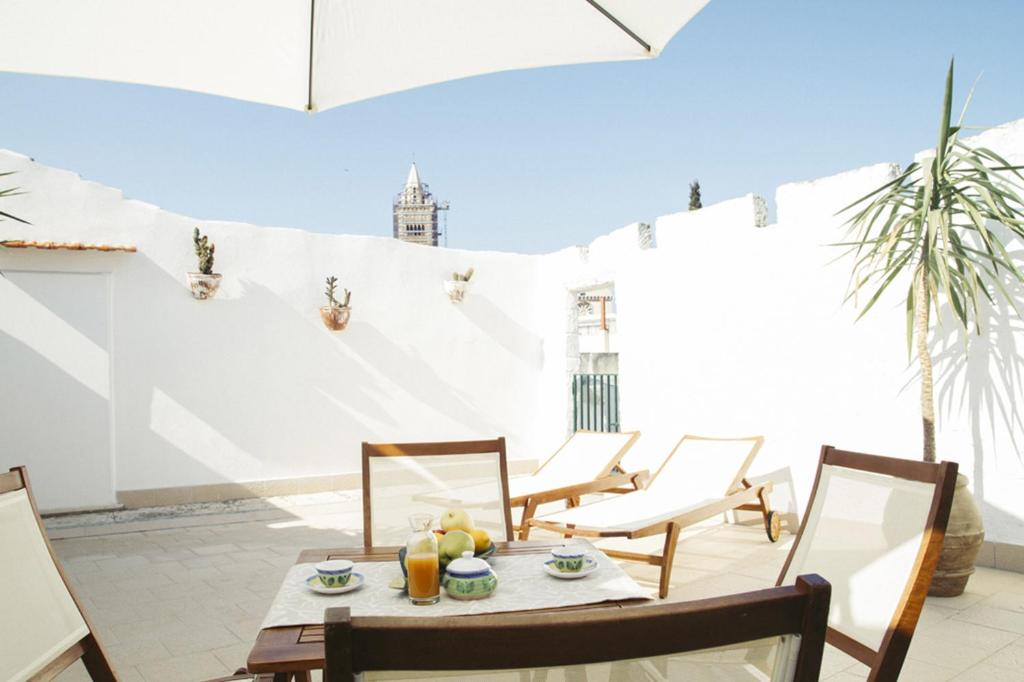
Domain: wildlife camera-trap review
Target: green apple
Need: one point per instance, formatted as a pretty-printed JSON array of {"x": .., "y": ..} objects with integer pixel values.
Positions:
[
  {"x": 456, "y": 519},
  {"x": 455, "y": 542}
]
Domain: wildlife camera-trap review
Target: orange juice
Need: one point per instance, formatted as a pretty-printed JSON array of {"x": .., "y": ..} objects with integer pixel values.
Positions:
[{"x": 423, "y": 578}]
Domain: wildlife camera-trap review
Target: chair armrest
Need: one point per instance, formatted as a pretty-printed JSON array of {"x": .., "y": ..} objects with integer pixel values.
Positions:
[
  {"x": 609, "y": 483},
  {"x": 636, "y": 480}
]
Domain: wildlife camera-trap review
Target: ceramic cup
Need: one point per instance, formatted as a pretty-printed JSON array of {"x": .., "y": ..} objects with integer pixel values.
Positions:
[
  {"x": 568, "y": 559},
  {"x": 334, "y": 573}
]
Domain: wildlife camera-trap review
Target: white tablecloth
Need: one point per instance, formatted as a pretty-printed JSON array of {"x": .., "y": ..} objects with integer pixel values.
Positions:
[{"x": 522, "y": 585}]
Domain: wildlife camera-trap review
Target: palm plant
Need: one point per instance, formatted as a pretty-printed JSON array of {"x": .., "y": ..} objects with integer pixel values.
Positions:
[
  {"x": 10, "y": 192},
  {"x": 934, "y": 224}
]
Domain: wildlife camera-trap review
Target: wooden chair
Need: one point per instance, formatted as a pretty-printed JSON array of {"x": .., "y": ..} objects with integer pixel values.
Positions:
[
  {"x": 627, "y": 638},
  {"x": 397, "y": 475},
  {"x": 586, "y": 463},
  {"x": 874, "y": 526},
  {"x": 701, "y": 478},
  {"x": 43, "y": 628}
]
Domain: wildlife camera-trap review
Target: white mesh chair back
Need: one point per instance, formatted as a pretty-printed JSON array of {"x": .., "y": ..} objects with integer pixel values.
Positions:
[
  {"x": 700, "y": 468},
  {"x": 586, "y": 456},
  {"x": 870, "y": 525},
  {"x": 400, "y": 478},
  {"x": 776, "y": 634},
  {"x": 39, "y": 619}
]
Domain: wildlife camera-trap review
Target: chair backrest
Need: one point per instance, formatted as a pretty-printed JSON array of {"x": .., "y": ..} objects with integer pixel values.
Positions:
[
  {"x": 700, "y": 467},
  {"x": 43, "y": 629},
  {"x": 628, "y": 637},
  {"x": 396, "y": 474},
  {"x": 587, "y": 455},
  {"x": 874, "y": 526}
]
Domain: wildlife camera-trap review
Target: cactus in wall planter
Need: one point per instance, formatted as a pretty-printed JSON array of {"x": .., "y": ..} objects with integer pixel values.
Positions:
[
  {"x": 204, "y": 284},
  {"x": 335, "y": 315},
  {"x": 456, "y": 286}
]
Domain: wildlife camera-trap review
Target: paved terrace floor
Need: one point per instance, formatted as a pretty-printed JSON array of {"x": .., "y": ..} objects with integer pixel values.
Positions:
[{"x": 180, "y": 596}]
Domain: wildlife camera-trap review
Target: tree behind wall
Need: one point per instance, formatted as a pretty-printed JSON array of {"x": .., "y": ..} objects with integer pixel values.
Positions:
[{"x": 695, "y": 195}]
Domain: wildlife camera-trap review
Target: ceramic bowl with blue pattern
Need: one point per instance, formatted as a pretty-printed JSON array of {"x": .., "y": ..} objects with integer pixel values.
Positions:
[
  {"x": 334, "y": 572},
  {"x": 568, "y": 558}
]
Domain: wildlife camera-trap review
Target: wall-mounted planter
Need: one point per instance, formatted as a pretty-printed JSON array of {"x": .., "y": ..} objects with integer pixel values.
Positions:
[
  {"x": 203, "y": 286},
  {"x": 335, "y": 317},
  {"x": 456, "y": 289}
]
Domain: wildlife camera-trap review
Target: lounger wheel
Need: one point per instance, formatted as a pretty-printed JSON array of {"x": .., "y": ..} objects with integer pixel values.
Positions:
[{"x": 773, "y": 526}]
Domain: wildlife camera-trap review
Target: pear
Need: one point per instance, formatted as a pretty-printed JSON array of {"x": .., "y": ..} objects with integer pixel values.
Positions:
[
  {"x": 455, "y": 542},
  {"x": 456, "y": 519}
]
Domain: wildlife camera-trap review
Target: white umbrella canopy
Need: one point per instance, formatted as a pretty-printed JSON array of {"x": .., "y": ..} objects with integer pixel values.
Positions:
[{"x": 312, "y": 55}]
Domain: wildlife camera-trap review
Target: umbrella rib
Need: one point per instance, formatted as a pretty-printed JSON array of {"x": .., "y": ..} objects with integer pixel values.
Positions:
[
  {"x": 309, "y": 85},
  {"x": 612, "y": 18}
]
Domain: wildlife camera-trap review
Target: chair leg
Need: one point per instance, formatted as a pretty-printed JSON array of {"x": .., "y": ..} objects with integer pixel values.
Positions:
[
  {"x": 569, "y": 526},
  {"x": 524, "y": 526},
  {"x": 668, "y": 555}
]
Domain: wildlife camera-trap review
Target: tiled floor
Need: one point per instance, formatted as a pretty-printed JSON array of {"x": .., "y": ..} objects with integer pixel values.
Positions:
[{"x": 184, "y": 602}]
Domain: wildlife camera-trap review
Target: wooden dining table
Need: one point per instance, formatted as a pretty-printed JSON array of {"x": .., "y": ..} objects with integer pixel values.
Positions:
[{"x": 290, "y": 653}]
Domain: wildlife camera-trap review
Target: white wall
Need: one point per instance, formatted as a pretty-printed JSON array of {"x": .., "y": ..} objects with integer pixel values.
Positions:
[
  {"x": 730, "y": 329},
  {"x": 724, "y": 328},
  {"x": 250, "y": 385}
]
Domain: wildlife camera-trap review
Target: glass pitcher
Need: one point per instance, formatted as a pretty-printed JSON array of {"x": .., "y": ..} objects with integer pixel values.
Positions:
[{"x": 421, "y": 562}]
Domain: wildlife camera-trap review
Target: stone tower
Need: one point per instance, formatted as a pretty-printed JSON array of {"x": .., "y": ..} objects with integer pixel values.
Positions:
[{"x": 415, "y": 211}]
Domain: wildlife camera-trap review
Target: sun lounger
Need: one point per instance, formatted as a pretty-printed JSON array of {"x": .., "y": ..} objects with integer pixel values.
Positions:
[{"x": 700, "y": 479}]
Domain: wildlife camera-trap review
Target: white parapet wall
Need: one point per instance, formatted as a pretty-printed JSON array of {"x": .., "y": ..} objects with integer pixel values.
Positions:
[{"x": 115, "y": 380}]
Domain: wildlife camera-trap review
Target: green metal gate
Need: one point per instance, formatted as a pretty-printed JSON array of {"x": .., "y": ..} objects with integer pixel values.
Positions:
[{"x": 595, "y": 402}]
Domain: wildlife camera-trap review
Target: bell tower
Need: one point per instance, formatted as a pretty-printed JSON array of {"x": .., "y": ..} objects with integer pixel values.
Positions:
[{"x": 415, "y": 211}]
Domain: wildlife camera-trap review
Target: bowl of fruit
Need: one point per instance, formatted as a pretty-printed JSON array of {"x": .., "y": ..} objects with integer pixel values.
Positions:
[{"x": 457, "y": 535}]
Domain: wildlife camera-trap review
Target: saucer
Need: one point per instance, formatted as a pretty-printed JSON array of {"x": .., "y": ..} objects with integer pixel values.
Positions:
[
  {"x": 354, "y": 583},
  {"x": 589, "y": 566}
]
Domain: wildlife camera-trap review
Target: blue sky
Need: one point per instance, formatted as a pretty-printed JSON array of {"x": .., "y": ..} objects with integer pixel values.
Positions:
[{"x": 749, "y": 95}]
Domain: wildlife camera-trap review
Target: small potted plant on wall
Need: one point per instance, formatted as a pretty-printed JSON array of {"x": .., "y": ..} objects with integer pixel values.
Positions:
[
  {"x": 335, "y": 315},
  {"x": 204, "y": 283},
  {"x": 456, "y": 286}
]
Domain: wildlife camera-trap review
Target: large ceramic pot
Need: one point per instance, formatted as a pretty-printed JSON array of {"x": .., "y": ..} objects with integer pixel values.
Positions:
[
  {"x": 964, "y": 535},
  {"x": 335, "y": 317},
  {"x": 203, "y": 286}
]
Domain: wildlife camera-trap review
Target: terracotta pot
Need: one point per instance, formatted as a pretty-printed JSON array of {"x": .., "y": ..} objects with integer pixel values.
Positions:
[
  {"x": 335, "y": 317},
  {"x": 964, "y": 535},
  {"x": 203, "y": 286},
  {"x": 456, "y": 290}
]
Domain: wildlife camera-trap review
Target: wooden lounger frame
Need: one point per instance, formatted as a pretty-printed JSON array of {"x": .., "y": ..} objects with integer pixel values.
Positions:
[
  {"x": 741, "y": 495},
  {"x": 462, "y": 447},
  {"x": 557, "y": 639},
  {"x": 887, "y": 661}
]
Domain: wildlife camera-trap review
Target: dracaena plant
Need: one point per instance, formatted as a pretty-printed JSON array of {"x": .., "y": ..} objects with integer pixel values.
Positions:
[
  {"x": 10, "y": 192},
  {"x": 934, "y": 230}
]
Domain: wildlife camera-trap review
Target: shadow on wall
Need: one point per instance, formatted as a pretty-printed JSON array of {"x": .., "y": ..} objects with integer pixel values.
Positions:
[
  {"x": 981, "y": 374},
  {"x": 496, "y": 323},
  {"x": 275, "y": 394}
]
